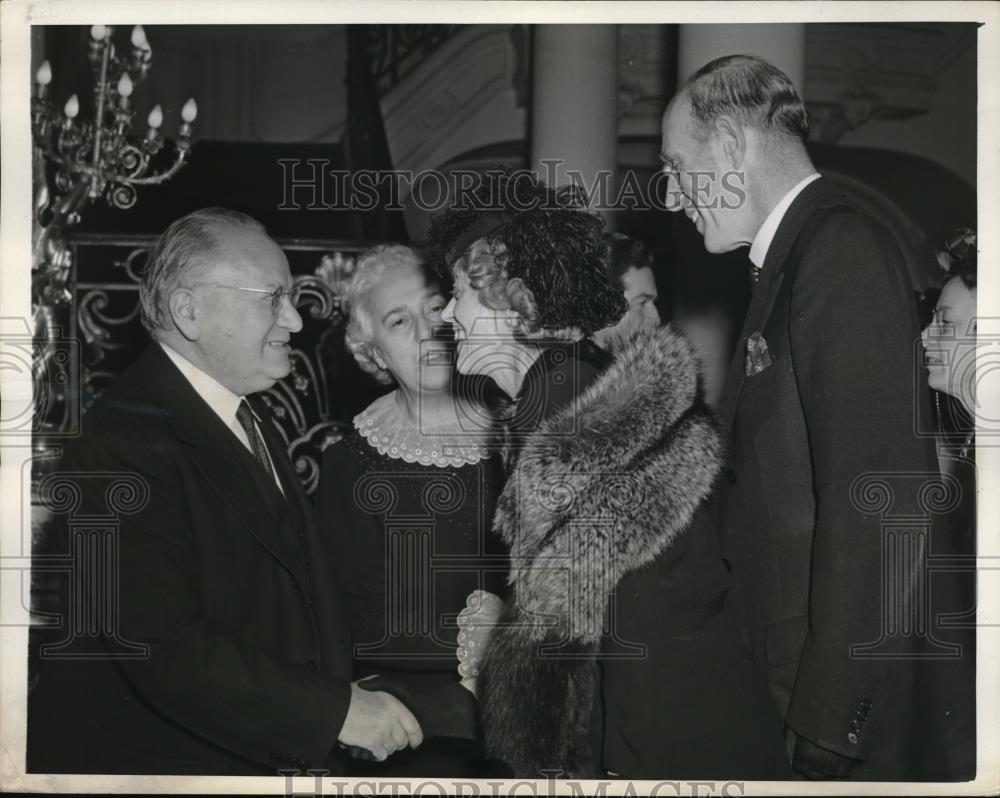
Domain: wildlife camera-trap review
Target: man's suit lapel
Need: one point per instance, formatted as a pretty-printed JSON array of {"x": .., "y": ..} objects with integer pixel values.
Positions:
[
  {"x": 334, "y": 637},
  {"x": 221, "y": 460},
  {"x": 764, "y": 294},
  {"x": 294, "y": 511},
  {"x": 772, "y": 275},
  {"x": 294, "y": 496},
  {"x": 266, "y": 488}
]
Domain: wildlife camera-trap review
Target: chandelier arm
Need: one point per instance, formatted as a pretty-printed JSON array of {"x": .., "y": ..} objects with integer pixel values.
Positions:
[
  {"x": 131, "y": 155},
  {"x": 55, "y": 156},
  {"x": 69, "y": 203},
  {"x": 153, "y": 180}
]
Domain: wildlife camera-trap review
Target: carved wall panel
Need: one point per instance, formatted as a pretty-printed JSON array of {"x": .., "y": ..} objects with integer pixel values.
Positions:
[
  {"x": 462, "y": 97},
  {"x": 876, "y": 71}
]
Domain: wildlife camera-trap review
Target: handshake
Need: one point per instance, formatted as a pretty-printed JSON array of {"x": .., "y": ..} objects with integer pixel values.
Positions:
[
  {"x": 378, "y": 724},
  {"x": 389, "y": 713}
]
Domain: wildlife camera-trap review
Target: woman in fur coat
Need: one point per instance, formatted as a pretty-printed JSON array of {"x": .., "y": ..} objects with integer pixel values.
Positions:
[{"x": 614, "y": 653}]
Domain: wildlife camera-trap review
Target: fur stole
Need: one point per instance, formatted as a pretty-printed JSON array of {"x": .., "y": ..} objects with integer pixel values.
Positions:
[{"x": 600, "y": 489}]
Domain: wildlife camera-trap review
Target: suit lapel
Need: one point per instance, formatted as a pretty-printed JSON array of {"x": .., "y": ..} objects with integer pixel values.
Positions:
[
  {"x": 331, "y": 630},
  {"x": 772, "y": 275},
  {"x": 294, "y": 498},
  {"x": 222, "y": 461},
  {"x": 266, "y": 488},
  {"x": 295, "y": 513},
  {"x": 764, "y": 294}
]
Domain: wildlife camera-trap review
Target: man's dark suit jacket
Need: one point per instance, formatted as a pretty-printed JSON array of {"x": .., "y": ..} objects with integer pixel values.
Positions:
[
  {"x": 248, "y": 668},
  {"x": 806, "y": 541}
]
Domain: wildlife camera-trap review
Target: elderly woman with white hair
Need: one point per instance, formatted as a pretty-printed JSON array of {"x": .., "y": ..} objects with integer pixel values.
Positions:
[{"x": 407, "y": 499}]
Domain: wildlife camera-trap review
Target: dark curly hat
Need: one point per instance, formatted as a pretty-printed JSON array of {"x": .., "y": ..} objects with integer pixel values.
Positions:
[
  {"x": 958, "y": 257},
  {"x": 553, "y": 244}
]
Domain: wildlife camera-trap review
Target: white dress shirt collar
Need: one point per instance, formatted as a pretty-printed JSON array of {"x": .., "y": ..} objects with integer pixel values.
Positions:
[
  {"x": 224, "y": 403},
  {"x": 762, "y": 241}
]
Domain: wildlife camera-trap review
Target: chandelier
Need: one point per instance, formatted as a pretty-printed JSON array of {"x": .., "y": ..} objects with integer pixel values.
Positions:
[
  {"x": 102, "y": 155},
  {"x": 92, "y": 156}
]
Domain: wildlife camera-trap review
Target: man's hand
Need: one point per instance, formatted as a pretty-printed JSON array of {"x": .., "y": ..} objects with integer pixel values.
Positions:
[
  {"x": 815, "y": 762},
  {"x": 379, "y": 723}
]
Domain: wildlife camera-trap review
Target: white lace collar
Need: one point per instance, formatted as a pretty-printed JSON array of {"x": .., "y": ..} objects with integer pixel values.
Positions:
[{"x": 385, "y": 428}]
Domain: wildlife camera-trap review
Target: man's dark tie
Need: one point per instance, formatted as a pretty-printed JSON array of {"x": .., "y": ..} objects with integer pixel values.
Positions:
[{"x": 245, "y": 416}]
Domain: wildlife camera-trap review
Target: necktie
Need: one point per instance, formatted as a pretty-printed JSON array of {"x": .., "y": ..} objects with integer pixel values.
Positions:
[{"x": 245, "y": 416}]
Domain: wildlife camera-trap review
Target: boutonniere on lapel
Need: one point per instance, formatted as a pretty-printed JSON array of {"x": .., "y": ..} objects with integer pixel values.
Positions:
[{"x": 758, "y": 358}]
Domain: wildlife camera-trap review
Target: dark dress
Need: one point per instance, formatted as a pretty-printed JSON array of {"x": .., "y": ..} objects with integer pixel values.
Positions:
[
  {"x": 409, "y": 542},
  {"x": 691, "y": 705}
]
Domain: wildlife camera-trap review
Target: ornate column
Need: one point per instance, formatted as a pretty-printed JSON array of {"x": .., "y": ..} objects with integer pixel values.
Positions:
[
  {"x": 783, "y": 44},
  {"x": 574, "y": 110}
]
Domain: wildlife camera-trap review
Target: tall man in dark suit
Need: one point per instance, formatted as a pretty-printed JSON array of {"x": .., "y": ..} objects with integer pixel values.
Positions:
[
  {"x": 237, "y": 658},
  {"x": 819, "y": 403}
]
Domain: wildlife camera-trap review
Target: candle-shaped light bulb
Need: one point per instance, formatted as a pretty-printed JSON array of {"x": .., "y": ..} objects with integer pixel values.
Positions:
[
  {"x": 190, "y": 111},
  {"x": 125, "y": 85},
  {"x": 44, "y": 74},
  {"x": 98, "y": 32},
  {"x": 139, "y": 39},
  {"x": 72, "y": 107},
  {"x": 155, "y": 118}
]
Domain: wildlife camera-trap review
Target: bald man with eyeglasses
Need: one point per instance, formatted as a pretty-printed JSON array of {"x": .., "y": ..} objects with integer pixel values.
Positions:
[{"x": 222, "y": 577}]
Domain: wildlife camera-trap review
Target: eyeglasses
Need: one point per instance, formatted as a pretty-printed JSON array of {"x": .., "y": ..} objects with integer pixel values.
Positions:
[{"x": 278, "y": 294}]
